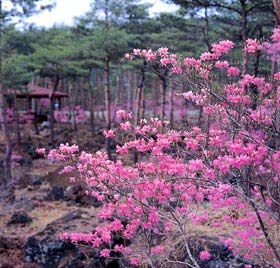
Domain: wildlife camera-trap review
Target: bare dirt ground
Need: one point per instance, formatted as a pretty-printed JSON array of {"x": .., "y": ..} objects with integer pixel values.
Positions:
[{"x": 34, "y": 180}]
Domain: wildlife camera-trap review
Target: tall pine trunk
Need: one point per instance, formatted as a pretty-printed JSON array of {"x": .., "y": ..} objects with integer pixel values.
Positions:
[
  {"x": 276, "y": 4},
  {"x": 142, "y": 103},
  {"x": 206, "y": 29},
  {"x": 107, "y": 101},
  {"x": 99, "y": 98},
  {"x": 244, "y": 35},
  {"x": 72, "y": 108},
  {"x": 140, "y": 96},
  {"x": 274, "y": 69},
  {"x": 16, "y": 114},
  {"x": 127, "y": 91},
  {"x": 122, "y": 89},
  {"x": 107, "y": 91},
  {"x": 163, "y": 87},
  {"x": 5, "y": 128},
  {"x": 154, "y": 97},
  {"x": 171, "y": 103},
  {"x": 91, "y": 103},
  {"x": 52, "y": 101},
  {"x": 6, "y": 131},
  {"x": 107, "y": 85}
]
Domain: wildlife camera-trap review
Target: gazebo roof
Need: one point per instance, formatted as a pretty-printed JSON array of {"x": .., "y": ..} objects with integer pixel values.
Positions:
[{"x": 37, "y": 92}]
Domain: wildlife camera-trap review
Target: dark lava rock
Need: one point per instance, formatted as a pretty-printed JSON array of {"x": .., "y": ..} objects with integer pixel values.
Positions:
[
  {"x": 10, "y": 243},
  {"x": 76, "y": 264},
  {"x": 221, "y": 256},
  {"x": 35, "y": 181},
  {"x": 25, "y": 161},
  {"x": 56, "y": 194},
  {"x": 61, "y": 254},
  {"x": 31, "y": 150},
  {"x": 62, "y": 224},
  {"x": 48, "y": 253},
  {"x": 20, "y": 218},
  {"x": 76, "y": 194},
  {"x": 45, "y": 250},
  {"x": 25, "y": 204},
  {"x": 11, "y": 252},
  {"x": 73, "y": 215}
]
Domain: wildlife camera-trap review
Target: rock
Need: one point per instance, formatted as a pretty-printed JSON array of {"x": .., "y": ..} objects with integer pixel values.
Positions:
[
  {"x": 77, "y": 194},
  {"x": 113, "y": 144},
  {"x": 90, "y": 264},
  {"x": 48, "y": 253},
  {"x": 35, "y": 181},
  {"x": 32, "y": 265},
  {"x": 25, "y": 161},
  {"x": 20, "y": 218},
  {"x": 9, "y": 243},
  {"x": 73, "y": 215},
  {"x": 56, "y": 194},
  {"x": 30, "y": 188},
  {"x": 11, "y": 251},
  {"x": 61, "y": 254},
  {"x": 31, "y": 150},
  {"x": 25, "y": 204},
  {"x": 221, "y": 256},
  {"x": 76, "y": 264},
  {"x": 62, "y": 224}
]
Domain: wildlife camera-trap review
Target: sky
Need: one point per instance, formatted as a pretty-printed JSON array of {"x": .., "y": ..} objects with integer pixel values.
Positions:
[{"x": 64, "y": 13}]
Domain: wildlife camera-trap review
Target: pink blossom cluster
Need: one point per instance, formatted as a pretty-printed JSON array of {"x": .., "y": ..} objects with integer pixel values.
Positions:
[
  {"x": 122, "y": 114},
  {"x": 66, "y": 115},
  {"x": 219, "y": 49},
  {"x": 222, "y": 64},
  {"x": 109, "y": 133},
  {"x": 276, "y": 35},
  {"x": 252, "y": 45},
  {"x": 204, "y": 255},
  {"x": 23, "y": 118},
  {"x": 142, "y": 193},
  {"x": 233, "y": 71},
  {"x": 192, "y": 62},
  {"x": 64, "y": 152},
  {"x": 149, "y": 55},
  {"x": 223, "y": 47},
  {"x": 221, "y": 171},
  {"x": 272, "y": 48}
]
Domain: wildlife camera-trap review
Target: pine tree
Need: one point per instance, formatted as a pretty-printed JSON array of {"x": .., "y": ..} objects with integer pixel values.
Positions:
[{"x": 20, "y": 9}]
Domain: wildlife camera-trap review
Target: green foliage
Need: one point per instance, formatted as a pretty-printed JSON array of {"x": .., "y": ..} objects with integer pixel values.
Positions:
[
  {"x": 53, "y": 54},
  {"x": 112, "y": 28},
  {"x": 15, "y": 45},
  {"x": 22, "y": 8},
  {"x": 15, "y": 72}
]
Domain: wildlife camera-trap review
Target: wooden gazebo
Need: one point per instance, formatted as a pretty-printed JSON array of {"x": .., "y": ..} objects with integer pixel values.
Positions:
[{"x": 33, "y": 95}]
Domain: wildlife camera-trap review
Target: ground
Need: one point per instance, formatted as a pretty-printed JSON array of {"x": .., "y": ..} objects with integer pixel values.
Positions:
[
  {"x": 35, "y": 179},
  {"x": 42, "y": 204}
]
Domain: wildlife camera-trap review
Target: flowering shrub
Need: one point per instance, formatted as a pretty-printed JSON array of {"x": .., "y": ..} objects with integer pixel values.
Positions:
[
  {"x": 16, "y": 159},
  {"x": 66, "y": 115},
  {"x": 223, "y": 172},
  {"x": 45, "y": 102},
  {"x": 23, "y": 118}
]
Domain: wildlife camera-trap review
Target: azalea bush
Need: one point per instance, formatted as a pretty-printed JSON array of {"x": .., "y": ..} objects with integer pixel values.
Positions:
[
  {"x": 66, "y": 115},
  {"x": 23, "y": 118},
  {"x": 222, "y": 172}
]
